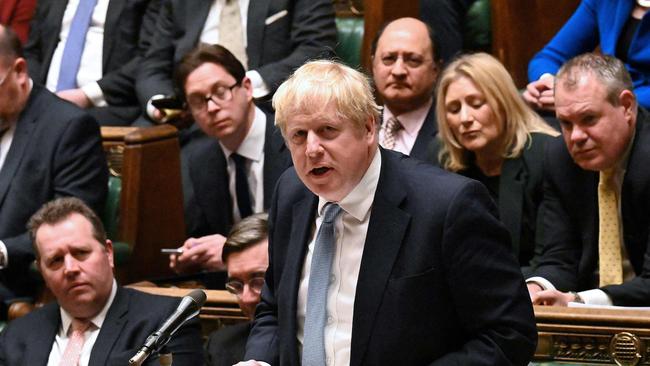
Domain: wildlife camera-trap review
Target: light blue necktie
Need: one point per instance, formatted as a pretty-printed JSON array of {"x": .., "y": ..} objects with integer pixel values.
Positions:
[
  {"x": 313, "y": 350},
  {"x": 74, "y": 45}
]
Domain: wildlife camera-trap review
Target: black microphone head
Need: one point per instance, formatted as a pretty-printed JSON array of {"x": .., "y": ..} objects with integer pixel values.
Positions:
[{"x": 198, "y": 296}]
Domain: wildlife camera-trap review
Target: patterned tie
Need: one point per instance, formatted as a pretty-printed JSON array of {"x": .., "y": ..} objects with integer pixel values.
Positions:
[
  {"x": 609, "y": 233},
  {"x": 313, "y": 350},
  {"x": 75, "y": 343},
  {"x": 241, "y": 186},
  {"x": 390, "y": 132},
  {"x": 74, "y": 45},
  {"x": 231, "y": 35}
]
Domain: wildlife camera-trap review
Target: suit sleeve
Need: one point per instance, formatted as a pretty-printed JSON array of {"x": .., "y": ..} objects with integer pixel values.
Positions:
[
  {"x": 154, "y": 74},
  {"x": 557, "y": 250},
  {"x": 313, "y": 35},
  {"x": 33, "y": 49},
  {"x": 262, "y": 344},
  {"x": 118, "y": 85},
  {"x": 578, "y": 35},
  {"x": 480, "y": 265},
  {"x": 79, "y": 169}
]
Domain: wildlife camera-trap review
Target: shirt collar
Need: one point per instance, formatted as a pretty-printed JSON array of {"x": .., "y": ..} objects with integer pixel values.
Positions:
[
  {"x": 97, "y": 320},
  {"x": 358, "y": 202},
  {"x": 413, "y": 120},
  {"x": 252, "y": 148}
]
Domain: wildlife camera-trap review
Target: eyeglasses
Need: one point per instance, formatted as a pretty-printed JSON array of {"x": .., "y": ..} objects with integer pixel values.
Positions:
[
  {"x": 218, "y": 94},
  {"x": 236, "y": 287}
]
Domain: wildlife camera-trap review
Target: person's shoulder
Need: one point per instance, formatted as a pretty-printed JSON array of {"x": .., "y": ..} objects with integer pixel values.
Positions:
[
  {"x": 422, "y": 178},
  {"x": 49, "y": 313},
  {"x": 57, "y": 114}
]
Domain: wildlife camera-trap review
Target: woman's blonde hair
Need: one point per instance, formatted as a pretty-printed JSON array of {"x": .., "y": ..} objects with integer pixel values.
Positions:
[{"x": 494, "y": 81}]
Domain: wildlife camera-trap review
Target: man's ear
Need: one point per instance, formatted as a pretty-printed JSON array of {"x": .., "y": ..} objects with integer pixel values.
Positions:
[{"x": 628, "y": 101}]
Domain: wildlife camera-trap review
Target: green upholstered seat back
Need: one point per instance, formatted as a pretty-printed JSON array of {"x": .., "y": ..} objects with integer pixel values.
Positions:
[
  {"x": 350, "y": 40},
  {"x": 477, "y": 34}
]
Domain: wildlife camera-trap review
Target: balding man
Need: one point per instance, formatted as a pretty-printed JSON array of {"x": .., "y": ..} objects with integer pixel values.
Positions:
[{"x": 405, "y": 69}]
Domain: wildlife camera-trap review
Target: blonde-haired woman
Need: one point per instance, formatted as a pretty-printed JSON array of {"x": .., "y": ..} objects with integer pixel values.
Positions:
[{"x": 488, "y": 133}]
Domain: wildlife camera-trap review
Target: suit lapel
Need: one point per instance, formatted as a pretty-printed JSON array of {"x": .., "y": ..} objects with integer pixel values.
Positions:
[
  {"x": 386, "y": 230},
  {"x": 111, "y": 328},
  {"x": 111, "y": 28},
  {"x": 43, "y": 338},
  {"x": 195, "y": 17},
  {"x": 22, "y": 137},
  {"x": 303, "y": 215},
  {"x": 511, "y": 193},
  {"x": 255, "y": 31},
  {"x": 426, "y": 135},
  {"x": 276, "y": 160},
  {"x": 52, "y": 30}
]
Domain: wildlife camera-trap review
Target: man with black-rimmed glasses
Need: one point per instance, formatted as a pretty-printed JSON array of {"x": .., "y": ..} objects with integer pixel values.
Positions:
[
  {"x": 246, "y": 256},
  {"x": 230, "y": 169}
]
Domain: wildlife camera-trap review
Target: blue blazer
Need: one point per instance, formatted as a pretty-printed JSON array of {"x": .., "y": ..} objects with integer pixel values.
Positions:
[
  {"x": 599, "y": 22},
  {"x": 434, "y": 245}
]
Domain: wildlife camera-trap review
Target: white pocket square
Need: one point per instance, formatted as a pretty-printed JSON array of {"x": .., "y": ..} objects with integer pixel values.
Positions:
[{"x": 276, "y": 16}]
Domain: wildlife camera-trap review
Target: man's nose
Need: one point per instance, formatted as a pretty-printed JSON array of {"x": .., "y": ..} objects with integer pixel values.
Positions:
[{"x": 313, "y": 144}]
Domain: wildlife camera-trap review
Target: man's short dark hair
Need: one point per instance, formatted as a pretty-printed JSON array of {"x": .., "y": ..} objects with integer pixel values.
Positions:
[
  {"x": 430, "y": 32},
  {"x": 10, "y": 46},
  {"x": 56, "y": 211},
  {"x": 246, "y": 233},
  {"x": 205, "y": 53}
]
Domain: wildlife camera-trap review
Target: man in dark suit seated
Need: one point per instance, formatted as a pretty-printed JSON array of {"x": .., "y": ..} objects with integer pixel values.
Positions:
[
  {"x": 405, "y": 70},
  {"x": 377, "y": 258},
  {"x": 230, "y": 167},
  {"x": 88, "y": 52},
  {"x": 597, "y": 191},
  {"x": 93, "y": 321},
  {"x": 48, "y": 148},
  {"x": 271, "y": 38},
  {"x": 246, "y": 256}
]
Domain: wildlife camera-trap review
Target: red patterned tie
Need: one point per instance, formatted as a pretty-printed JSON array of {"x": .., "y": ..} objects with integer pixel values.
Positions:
[{"x": 75, "y": 343}]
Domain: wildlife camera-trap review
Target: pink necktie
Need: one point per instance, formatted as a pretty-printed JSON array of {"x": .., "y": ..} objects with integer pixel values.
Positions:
[{"x": 75, "y": 343}]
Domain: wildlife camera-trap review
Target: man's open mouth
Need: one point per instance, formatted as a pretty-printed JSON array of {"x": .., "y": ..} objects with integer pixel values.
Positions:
[{"x": 320, "y": 171}]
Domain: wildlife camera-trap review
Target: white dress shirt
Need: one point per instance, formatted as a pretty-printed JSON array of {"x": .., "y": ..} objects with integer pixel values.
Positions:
[
  {"x": 351, "y": 229},
  {"x": 90, "y": 68},
  {"x": 411, "y": 121},
  {"x": 252, "y": 148},
  {"x": 210, "y": 35},
  {"x": 62, "y": 337}
]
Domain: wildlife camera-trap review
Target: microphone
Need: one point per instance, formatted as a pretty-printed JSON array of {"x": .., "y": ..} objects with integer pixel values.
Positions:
[{"x": 188, "y": 308}]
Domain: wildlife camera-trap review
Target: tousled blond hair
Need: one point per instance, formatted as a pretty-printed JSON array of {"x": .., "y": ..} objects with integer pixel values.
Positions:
[{"x": 318, "y": 84}]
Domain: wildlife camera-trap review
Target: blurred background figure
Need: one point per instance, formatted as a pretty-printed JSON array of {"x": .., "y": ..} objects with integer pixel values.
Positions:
[
  {"x": 17, "y": 14},
  {"x": 489, "y": 134},
  {"x": 246, "y": 255},
  {"x": 618, "y": 27},
  {"x": 87, "y": 52}
]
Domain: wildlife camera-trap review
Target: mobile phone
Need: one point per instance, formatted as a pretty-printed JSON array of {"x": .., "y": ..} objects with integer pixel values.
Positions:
[
  {"x": 167, "y": 103},
  {"x": 171, "y": 250}
]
